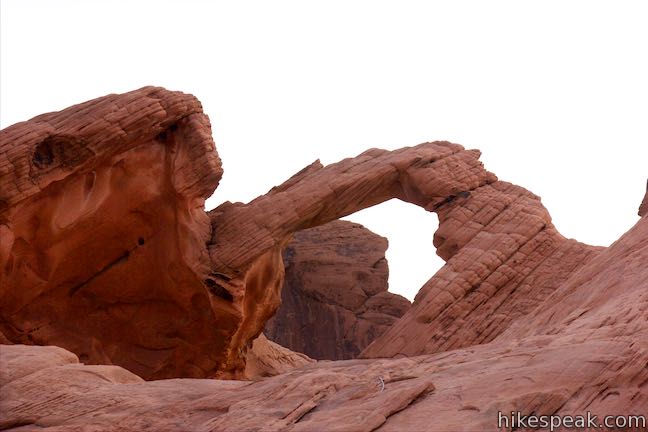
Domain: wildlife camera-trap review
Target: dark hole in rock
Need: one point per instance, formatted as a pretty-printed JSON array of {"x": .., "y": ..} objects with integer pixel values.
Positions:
[
  {"x": 162, "y": 136},
  {"x": 44, "y": 154},
  {"x": 140, "y": 241},
  {"x": 218, "y": 290},
  {"x": 60, "y": 150}
]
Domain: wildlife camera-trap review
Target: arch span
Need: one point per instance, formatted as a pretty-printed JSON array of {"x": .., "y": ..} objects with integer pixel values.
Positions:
[
  {"x": 503, "y": 254},
  {"x": 111, "y": 255}
]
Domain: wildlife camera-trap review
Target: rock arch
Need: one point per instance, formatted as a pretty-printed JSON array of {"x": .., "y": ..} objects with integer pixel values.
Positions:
[
  {"x": 504, "y": 256},
  {"x": 189, "y": 298}
]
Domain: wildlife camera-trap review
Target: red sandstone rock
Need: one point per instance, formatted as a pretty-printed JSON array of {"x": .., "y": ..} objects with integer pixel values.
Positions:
[
  {"x": 583, "y": 349},
  {"x": 103, "y": 234},
  {"x": 106, "y": 250},
  {"x": 504, "y": 257},
  {"x": 334, "y": 300}
]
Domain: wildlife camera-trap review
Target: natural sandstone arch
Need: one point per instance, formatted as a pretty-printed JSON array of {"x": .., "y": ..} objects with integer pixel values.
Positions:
[
  {"x": 504, "y": 254},
  {"x": 106, "y": 249}
]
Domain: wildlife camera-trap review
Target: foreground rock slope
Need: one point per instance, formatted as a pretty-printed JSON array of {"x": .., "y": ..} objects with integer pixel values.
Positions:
[
  {"x": 334, "y": 300},
  {"x": 582, "y": 349}
]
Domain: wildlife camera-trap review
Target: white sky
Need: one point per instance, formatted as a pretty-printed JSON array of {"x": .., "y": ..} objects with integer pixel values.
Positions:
[{"x": 554, "y": 93}]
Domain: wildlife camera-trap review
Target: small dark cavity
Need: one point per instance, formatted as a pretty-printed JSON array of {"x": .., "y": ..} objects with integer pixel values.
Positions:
[
  {"x": 162, "y": 136},
  {"x": 60, "y": 150},
  {"x": 220, "y": 275},
  {"x": 452, "y": 198},
  {"x": 217, "y": 290},
  {"x": 140, "y": 241},
  {"x": 44, "y": 154}
]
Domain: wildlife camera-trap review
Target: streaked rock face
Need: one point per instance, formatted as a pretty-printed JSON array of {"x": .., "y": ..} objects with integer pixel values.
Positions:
[{"x": 334, "y": 300}]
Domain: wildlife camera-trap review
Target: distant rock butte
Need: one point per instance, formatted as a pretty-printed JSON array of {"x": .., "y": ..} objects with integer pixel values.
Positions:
[
  {"x": 583, "y": 349},
  {"x": 334, "y": 300}
]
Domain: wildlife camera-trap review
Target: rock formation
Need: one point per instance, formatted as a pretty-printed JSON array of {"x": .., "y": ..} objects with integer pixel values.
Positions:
[
  {"x": 103, "y": 234},
  {"x": 106, "y": 250},
  {"x": 504, "y": 257},
  {"x": 334, "y": 300},
  {"x": 583, "y": 349}
]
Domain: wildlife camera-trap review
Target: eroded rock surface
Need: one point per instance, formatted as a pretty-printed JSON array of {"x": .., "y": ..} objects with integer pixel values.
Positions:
[
  {"x": 583, "y": 349},
  {"x": 334, "y": 300}
]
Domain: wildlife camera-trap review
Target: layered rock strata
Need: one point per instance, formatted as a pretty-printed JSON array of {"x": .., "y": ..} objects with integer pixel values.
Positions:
[{"x": 334, "y": 300}]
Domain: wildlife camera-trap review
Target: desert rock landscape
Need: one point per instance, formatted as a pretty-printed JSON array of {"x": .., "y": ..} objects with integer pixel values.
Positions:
[{"x": 125, "y": 306}]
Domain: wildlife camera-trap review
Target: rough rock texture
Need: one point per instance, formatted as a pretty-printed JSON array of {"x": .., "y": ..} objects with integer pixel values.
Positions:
[
  {"x": 583, "y": 349},
  {"x": 334, "y": 300},
  {"x": 266, "y": 358}
]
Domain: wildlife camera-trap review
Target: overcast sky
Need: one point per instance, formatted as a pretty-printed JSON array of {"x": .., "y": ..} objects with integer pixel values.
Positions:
[{"x": 554, "y": 93}]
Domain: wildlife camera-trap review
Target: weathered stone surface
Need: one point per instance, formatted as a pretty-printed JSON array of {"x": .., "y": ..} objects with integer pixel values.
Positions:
[
  {"x": 334, "y": 300},
  {"x": 583, "y": 349}
]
